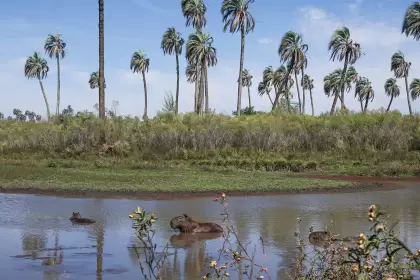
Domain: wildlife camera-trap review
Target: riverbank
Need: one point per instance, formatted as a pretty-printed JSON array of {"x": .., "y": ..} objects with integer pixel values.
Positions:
[{"x": 149, "y": 182}]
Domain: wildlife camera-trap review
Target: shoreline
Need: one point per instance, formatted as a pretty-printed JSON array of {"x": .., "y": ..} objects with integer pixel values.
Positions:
[{"x": 356, "y": 186}]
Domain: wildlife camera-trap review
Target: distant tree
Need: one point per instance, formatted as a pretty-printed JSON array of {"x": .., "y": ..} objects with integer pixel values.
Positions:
[
  {"x": 1, "y": 116},
  {"x": 392, "y": 90},
  {"x": 401, "y": 68},
  {"x": 68, "y": 111},
  {"x": 140, "y": 64}
]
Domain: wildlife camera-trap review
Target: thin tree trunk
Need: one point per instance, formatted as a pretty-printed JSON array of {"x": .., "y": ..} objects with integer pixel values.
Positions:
[
  {"x": 249, "y": 98},
  {"x": 241, "y": 66},
  {"x": 101, "y": 61},
  {"x": 298, "y": 92},
  {"x": 269, "y": 97},
  {"x": 366, "y": 103},
  {"x": 343, "y": 82},
  {"x": 45, "y": 99},
  {"x": 57, "y": 109},
  {"x": 303, "y": 92},
  {"x": 336, "y": 95},
  {"x": 312, "y": 102},
  {"x": 202, "y": 93},
  {"x": 289, "y": 106},
  {"x": 389, "y": 106},
  {"x": 206, "y": 88},
  {"x": 408, "y": 96},
  {"x": 177, "y": 85},
  {"x": 361, "y": 105},
  {"x": 197, "y": 88},
  {"x": 145, "y": 96}
]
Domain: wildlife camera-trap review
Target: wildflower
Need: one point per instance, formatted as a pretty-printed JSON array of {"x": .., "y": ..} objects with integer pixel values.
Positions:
[
  {"x": 223, "y": 267},
  {"x": 138, "y": 210},
  {"x": 217, "y": 198},
  {"x": 153, "y": 216},
  {"x": 372, "y": 208},
  {"x": 379, "y": 228},
  {"x": 223, "y": 195},
  {"x": 371, "y": 219},
  {"x": 355, "y": 267},
  {"x": 227, "y": 274},
  {"x": 132, "y": 215},
  {"x": 371, "y": 215},
  {"x": 362, "y": 237}
]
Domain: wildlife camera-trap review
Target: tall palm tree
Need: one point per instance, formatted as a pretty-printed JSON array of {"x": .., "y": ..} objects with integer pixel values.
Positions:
[
  {"x": 332, "y": 86},
  {"x": 191, "y": 73},
  {"x": 292, "y": 52},
  {"x": 308, "y": 84},
  {"x": 140, "y": 63},
  {"x": 415, "y": 88},
  {"x": 264, "y": 89},
  {"x": 37, "y": 67},
  {"x": 411, "y": 22},
  {"x": 55, "y": 47},
  {"x": 237, "y": 18},
  {"x": 101, "y": 61},
  {"x": 247, "y": 82},
  {"x": 172, "y": 42},
  {"x": 200, "y": 48},
  {"x": 342, "y": 47},
  {"x": 392, "y": 90},
  {"x": 94, "y": 80},
  {"x": 401, "y": 67},
  {"x": 194, "y": 12},
  {"x": 365, "y": 91}
]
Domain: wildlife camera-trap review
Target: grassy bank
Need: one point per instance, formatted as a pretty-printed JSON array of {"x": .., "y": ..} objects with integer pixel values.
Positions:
[
  {"x": 373, "y": 144},
  {"x": 157, "y": 181}
]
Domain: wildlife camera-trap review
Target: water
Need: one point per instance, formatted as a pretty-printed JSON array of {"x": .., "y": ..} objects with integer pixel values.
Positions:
[{"x": 30, "y": 222}]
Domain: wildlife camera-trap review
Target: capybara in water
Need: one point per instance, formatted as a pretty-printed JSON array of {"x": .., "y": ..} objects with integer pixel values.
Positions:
[
  {"x": 320, "y": 238},
  {"x": 185, "y": 223},
  {"x": 185, "y": 240},
  {"x": 76, "y": 218}
]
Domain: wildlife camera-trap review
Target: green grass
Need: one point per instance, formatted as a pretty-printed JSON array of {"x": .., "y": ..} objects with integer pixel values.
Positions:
[{"x": 169, "y": 180}]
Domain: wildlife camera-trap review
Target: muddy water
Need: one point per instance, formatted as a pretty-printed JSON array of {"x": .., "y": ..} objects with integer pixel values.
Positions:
[{"x": 36, "y": 230}]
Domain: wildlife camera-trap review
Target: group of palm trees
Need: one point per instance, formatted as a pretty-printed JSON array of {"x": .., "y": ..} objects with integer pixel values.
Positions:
[{"x": 201, "y": 54}]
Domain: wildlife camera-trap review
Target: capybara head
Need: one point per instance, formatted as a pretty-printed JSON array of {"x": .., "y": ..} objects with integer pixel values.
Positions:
[
  {"x": 183, "y": 223},
  {"x": 75, "y": 216}
]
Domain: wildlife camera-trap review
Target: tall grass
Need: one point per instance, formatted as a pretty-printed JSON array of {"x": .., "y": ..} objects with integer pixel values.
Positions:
[{"x": 354, "y": 136}]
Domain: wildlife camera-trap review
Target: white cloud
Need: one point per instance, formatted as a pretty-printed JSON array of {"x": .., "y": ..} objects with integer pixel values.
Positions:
[{"x": 265, "y": 41}]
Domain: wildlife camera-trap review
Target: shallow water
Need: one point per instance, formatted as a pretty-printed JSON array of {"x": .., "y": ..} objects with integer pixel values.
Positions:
[{"x": 99, "y": 251}]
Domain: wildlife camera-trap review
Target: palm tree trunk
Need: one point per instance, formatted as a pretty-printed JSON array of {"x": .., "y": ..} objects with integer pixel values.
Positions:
[
  {"x": 298, "y": 92},
  {"x": 45, "y": 99},
  {"x": 343, "y": 82},
  {"x": 241, "y": 66},
  {"x": 57, "y": 109},
  {"x": 283, "y": 84},
  {"x": 249, "y": 98},
  {"x": 269, "y": 97},
  {"x": 303, "y": 92},
  {"x": 312, "y": 102},
  {"x": 177, "y": 85},
  {"x": 389, "y": 106},
  {"x": 289, "y": 109},
  {"x": 336, "y": 95},
  {"x": 361, "y": 104},
  {"x": 145, "y": 96},
  {"x": 101, "y": 61},
  {"x": 366, "y": 103},
  {"x": 408, "y": 96},
  {"x": 197, "y": 88},
  {"x": 206, "y": 88},
  {"x": 202, "y": 93}
]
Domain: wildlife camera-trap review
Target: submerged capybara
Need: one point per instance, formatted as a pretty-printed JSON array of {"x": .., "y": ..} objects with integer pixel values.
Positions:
[
  {"x": 185, "y": 223},
  {"x": 185, "y": 240},
  {"x": 76, "y": 218},
  {"x": 320, "y": 238}
]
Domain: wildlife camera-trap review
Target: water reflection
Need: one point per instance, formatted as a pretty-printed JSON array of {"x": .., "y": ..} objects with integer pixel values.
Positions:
[{"x": 45, "y": 234}]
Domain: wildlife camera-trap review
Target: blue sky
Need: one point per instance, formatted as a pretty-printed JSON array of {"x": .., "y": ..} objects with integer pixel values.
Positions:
[{"x": 139, "y": 24}]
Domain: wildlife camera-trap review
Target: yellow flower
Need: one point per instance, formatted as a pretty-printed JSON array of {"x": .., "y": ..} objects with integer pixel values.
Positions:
[
  {"x": 223, "y": 195},
  {"x": 362, "y": 237},
  {"x": 355, "y": 267},
  {"x": 227, "y": 274},
  {"x": 213, "y": 264},
  {"x": 372, "y": 208},
  {"x": 138, "y": 210}
]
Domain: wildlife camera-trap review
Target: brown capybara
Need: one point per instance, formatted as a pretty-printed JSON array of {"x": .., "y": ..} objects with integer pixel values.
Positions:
[
  {"x": 320, "y": 238},
  {"x": 185, "y": 223},
  {"x": 76, "y": 218}
]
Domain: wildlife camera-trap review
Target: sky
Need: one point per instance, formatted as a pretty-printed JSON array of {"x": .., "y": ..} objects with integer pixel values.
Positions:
[{"x": 132, "y": 25}]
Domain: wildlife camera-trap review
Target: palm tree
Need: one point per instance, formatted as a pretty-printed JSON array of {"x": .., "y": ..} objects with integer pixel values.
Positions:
[
  {"x": 365, "y": 91},
  {"x": 292, "y": 52},
  {"x": 101, "y": 61},
  {"x": 342, "y": 47},
  {"x": 55, "y": 47},
  {"x": 237, "y": 18},
  {"x": 172, "y": 42},
  {"x": 263, "y": 88},
  {"x": 415, "y": 89},
  {"x": 392, "y": 90},
  {"x": 278, "y": 78},
  {"x": 308, "y": 84},
  {"x": 401, "y": 67},
  {"x": 199, "y": 48},
  {"x": 411, "y": 23},
  {"x": 194, "y": 12},
  {"x": 247, "y": 82},
  {"x": 332, "y": 86},
  {"x": 94, "y": 80},
  {"x": 37, "y": 67},
  {"x": 140, "y": 63},
  {"x": 191, "y": 73}
]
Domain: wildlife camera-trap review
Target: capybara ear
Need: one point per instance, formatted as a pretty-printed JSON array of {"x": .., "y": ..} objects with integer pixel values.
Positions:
[{"x": 185, "y": 215}]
